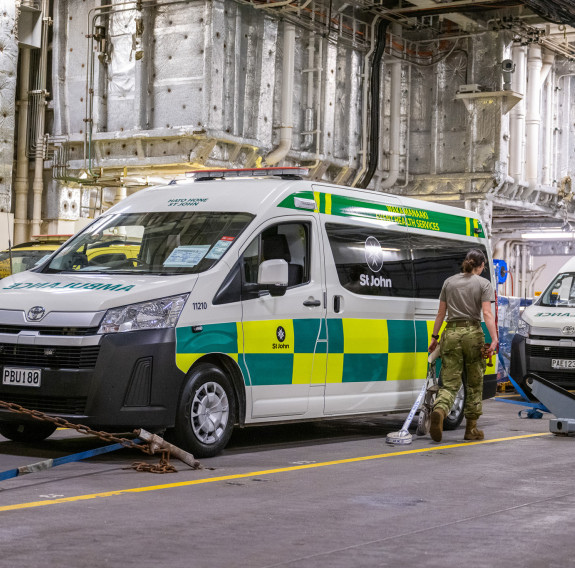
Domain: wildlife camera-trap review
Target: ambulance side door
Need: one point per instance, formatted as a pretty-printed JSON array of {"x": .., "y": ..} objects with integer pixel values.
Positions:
[
  {"x": 281, "y": 333},
  {"x": 371, "y": 335}
]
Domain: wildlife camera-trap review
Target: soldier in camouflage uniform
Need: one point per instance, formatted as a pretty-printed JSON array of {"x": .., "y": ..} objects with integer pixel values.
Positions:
[{"x": 463, "y": 298}]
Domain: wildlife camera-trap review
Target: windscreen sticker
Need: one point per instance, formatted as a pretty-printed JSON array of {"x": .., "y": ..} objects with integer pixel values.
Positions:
[
  {"x": 186, "y": 256},
  {"x": 220, "y": 248}
]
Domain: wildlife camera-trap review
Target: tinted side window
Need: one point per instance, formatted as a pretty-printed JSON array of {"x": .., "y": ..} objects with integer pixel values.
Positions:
[
  {"x": 435, "y": 260},
  {"x": 371, "y": 261}
]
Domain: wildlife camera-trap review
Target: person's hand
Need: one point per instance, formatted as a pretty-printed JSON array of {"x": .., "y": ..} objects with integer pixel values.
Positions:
[
  {"x": 492, "y": 348},
  {"x": 432, "y": 345}
]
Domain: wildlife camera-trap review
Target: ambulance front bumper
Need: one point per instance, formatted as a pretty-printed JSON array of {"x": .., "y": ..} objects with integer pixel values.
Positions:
[
  {"x": 550, "y": 358},
  {"x": 117, "y": 381}
]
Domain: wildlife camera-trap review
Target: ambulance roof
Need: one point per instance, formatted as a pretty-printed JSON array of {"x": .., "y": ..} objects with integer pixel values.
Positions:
[
  {"x": 258, "y": 195},
  {"x": 569, "y": 266}
]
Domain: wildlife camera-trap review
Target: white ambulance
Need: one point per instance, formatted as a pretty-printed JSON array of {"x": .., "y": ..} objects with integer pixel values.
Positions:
[
  {"x": 545, "y": 340},
  {"x": 255, "y": 297}
]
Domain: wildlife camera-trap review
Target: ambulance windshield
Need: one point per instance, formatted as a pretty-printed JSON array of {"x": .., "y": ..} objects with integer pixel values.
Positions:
[
  {"x": 151, "y": 243},
  {"x": 561, "y": 292}
]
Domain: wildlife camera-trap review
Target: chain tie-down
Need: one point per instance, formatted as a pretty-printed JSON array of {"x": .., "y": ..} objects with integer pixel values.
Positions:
[{"x": 154, "y": 443}]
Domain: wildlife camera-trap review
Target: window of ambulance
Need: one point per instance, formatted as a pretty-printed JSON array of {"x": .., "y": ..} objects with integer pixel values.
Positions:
[
  {"x": 371, "y": 261},
  {"x": 21, "y": 260},
  {"x": 435, "y": 260},
  {"x": 151, "y": 243},
  {"x": 287, "y": 241},
  {"x": 561, "y": 292}
]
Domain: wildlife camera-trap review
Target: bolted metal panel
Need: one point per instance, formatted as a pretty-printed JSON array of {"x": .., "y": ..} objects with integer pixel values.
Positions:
[
  {"x": 453, "y": 117},
  {"x": 348, "y": 101},
  {"x": 423, "y": 93},
  {"x": 8, "y": 65}
]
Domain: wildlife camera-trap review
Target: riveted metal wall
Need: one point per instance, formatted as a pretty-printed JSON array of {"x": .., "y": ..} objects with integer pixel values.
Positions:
[{"x": 8, "y": 66}]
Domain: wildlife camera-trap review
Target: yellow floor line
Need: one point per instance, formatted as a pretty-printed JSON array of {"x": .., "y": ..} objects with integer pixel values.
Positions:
[{"x": 256, "y": 473}]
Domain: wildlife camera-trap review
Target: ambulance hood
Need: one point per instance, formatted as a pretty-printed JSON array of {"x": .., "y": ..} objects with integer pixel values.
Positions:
[
  {"x": 87, "y": 292},
  {"x": 550, "y": 320}
]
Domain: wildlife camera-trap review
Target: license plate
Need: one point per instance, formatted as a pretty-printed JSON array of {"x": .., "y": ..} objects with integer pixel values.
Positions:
[
  {"x": 19, "y": 377},
  {"x": 563, "y": 363}
]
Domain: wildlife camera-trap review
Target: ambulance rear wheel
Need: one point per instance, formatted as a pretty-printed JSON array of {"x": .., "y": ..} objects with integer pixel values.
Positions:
[
  {"x": 206, "y": 412},
  {"x": 27, "y": 432},
  {"x": 455, "y": 416}
]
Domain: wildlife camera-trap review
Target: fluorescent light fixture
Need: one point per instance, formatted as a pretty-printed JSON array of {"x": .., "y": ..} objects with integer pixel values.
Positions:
[{"x": 557, "y": 235}]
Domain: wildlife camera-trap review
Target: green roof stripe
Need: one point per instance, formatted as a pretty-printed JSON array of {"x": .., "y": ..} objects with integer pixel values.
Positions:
[{"x": 415, "y": 218}]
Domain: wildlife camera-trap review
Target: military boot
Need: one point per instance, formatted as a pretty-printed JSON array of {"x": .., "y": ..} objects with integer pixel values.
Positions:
[
  {"x": 436, "y": 427},
  {"x": 471, "y": 431}
]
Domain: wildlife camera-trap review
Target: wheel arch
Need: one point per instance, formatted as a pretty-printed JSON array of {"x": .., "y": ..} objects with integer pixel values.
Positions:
[{"x": 232, "y": 370}]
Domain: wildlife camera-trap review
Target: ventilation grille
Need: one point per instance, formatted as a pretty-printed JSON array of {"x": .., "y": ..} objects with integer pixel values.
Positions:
[{"x": 57, "y": 356}]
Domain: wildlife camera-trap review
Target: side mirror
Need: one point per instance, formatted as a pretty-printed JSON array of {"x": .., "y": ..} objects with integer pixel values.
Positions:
[{"x": 273, "y": 276}]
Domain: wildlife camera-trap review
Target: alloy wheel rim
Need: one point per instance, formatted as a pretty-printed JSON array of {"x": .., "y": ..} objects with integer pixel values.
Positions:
[{"x": 210, "y": 413}]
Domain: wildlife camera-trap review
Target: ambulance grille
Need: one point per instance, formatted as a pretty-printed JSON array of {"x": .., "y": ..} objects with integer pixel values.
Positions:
[
  {"x": 550, "y": 352},
  {"x": 51, "y": 357},
  {"x": 565, "y": 379},
  {"x": 59, "y": 331},
  {"x": 49, "y": 404}
]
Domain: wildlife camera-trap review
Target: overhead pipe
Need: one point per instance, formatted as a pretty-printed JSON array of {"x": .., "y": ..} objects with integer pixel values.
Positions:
[
  {"x": 533, "y": 120},
  {"x": 509, "y": 251},
  {"x": 524, "y": 250},
  {"x": 538, "y": 69},
  {"x": 534, "y": 275},
  {"x": 563, "y": 143},
  {"x": 364, "y": 106},
  {"x": 394, "y": 117},
  {"x": 517, "y": 270},
  {"x": 375, "y": 86},
  {"x": 38, "y": 182},
  {"x": 548, "y": 131},
  {"x": 22, "y": 164},
  {"x": 286, "y": 111},
  {"x": 517, "y": 115}
]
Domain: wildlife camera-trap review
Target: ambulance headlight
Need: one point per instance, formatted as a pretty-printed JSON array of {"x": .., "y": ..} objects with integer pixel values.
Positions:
[
  {"x": 156, "y": 314},
  {"x": 523, "y": 328}
]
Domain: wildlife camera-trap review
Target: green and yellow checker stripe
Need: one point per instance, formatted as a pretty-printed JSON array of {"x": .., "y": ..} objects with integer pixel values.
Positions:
[
  {"x": 425, "y": 219},
  {"x": 360, "y": 350}
]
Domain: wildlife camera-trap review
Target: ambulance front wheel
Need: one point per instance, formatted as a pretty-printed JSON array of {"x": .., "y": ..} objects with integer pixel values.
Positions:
[
  {"x": 27, "y": 432},
  {"x": 206, "y": 412}
]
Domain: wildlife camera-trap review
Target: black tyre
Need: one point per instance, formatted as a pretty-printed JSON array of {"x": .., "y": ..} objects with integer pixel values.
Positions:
[
  {"x": 455, "y": 416},
  {"x": 423, "y": 422},
  {"x": 206, "y": 412},
  {"x": 27, "y": 432}
]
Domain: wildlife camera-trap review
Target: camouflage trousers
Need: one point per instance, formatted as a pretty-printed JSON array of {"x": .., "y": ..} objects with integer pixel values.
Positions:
[{"x": 460, "y": 349}]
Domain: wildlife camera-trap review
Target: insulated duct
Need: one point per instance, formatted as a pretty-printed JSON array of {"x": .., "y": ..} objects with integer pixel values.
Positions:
[
  {"x": 394, "y": 118},
  {"x": 286, "y": 112},
  {"x": 8, "y": 65},
  {"x": 517, "y": 115},
  {"x": 533, "y": 121},
  {"x": 374, "y": 101}
]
